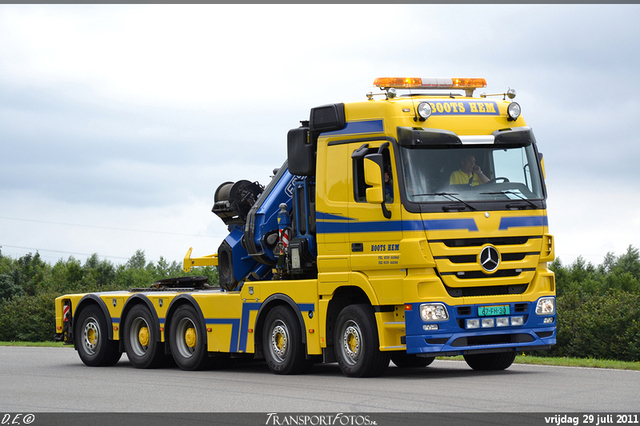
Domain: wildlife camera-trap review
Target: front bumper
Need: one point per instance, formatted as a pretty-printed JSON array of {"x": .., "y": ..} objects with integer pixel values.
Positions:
[{"x": 455, "y": 337}]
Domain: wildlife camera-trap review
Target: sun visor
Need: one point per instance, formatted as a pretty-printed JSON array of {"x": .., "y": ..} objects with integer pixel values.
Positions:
[
  {"x": 327, "y": 118},
  {"x": 515, "y": 136},
  {"x": 411, "y": 136}
]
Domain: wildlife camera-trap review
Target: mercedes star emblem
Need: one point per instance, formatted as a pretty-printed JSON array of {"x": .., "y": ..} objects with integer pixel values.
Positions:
[{"x": 489, "y": 258}]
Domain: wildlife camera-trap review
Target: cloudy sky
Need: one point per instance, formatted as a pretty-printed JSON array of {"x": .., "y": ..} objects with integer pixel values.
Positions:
[{"x": 118, "y": 122}]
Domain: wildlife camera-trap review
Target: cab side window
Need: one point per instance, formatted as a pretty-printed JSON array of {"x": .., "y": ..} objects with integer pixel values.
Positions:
[{"x": 359, "y": 185}]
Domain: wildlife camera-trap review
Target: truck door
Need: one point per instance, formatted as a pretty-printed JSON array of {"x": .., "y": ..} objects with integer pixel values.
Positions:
[{"x": 374, "y": 239}]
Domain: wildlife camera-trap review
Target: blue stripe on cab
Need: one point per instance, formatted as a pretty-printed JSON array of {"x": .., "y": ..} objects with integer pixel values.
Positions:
[
  {"x": 395, "y": 226},
  {"x": 329, "y": 216},
  {"x": 332, "y": 227},
  {"x": 522, "y": 222},
  {"x": 372, "y": 126},
  {"x": 450, "y": 224}
]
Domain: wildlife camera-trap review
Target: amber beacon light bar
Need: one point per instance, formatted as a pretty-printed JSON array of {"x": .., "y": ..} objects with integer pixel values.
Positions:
[{"x": 429, "y": 83}]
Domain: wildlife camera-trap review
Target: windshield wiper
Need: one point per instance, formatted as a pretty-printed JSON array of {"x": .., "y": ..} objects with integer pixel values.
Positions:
[
  {"x": 520, "y": 196},
  {"x": 451, "y": 196}
]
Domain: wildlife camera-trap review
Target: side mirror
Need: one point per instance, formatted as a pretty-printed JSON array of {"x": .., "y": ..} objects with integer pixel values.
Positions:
[
  {"x": 301, "y": 153},
  {"x": 374, "y": 177},
  {"x": 541, "y": 159}
]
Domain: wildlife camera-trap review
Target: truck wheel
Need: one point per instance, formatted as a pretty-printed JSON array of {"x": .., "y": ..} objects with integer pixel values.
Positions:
[
  {"x": 93, "y": 344},
  {"x": 405, "y": 360},
  {"x": 140, "y": 339},
  {"x": 282, "y": 342},
  {"x": 186, "y": 339},
  {"x": 490, "y": 362},
  {"x": 356, "y": 343}
]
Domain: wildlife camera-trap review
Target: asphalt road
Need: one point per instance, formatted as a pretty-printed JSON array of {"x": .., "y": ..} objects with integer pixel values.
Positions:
[{"x": 47, "y": 380}]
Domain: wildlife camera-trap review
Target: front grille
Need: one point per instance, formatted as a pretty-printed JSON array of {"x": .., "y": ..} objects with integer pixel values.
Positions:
[
  {"x": 473, "y": 258},
  {"x": 494, "y": 290},
  {"x": 497, "y": 339},
  {"x": 464, "y": 310},
  {"x": 477, "y": 242},
  {"x": 513, "y": 257},
  {"x": 438, "y": 341},
  {"x": 521, "y": 307},
  {"x": 466, "y": 258},
  {"x": 459, "y": 265},
  {"x": 469, "y": 275}
]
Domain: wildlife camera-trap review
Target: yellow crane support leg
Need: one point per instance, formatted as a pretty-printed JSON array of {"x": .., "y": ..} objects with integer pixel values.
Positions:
[{"x": 189, "y": 262}]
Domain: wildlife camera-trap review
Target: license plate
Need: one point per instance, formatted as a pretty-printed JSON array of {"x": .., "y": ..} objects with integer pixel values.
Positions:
[{"x": 491, "y": 311}]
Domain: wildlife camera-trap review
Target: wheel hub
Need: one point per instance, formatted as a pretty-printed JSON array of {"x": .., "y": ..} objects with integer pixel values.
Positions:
[
  {"x": 279, "y": 341},
  {"x": 143, "y": 336},
  {"x": 351, "y": 343},
  {"x": 190, "y": 337},
  {"x": 91, "y": 336}
]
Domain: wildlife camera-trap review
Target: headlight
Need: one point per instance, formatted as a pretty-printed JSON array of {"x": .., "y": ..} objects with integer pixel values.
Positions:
[
  {"x": 546, "y": 306},
  {"x": 473, "y": 323},
  {"x": 487, "y": 322},
  {"x": 433, "y": 312},
  {"x": 424, "y": 110},
  {"x": 517, "y": 321},
  {"x": 513, "y": 110},
  {"x": 502, "y": 322}
]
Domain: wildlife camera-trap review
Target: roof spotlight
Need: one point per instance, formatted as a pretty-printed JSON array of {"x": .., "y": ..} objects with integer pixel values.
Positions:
[
  {"x": 424, "y": 110},
  {"x": 513, "y": 110}
]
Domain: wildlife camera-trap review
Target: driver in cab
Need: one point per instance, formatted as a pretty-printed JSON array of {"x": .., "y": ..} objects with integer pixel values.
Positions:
[{"x": 468, "y": 174}]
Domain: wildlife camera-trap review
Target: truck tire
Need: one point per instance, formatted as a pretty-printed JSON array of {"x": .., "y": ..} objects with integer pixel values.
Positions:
[
  {"x": 405, "y": 360},
  {"x": 491, "y": 361},
  {"x": 282, "y": 342},
  {"x": 186, "y": 339},
  {"x": 357, "y": 347},
  {"x": 141, "y": 339},
  {"x": 92, "y": 336}
]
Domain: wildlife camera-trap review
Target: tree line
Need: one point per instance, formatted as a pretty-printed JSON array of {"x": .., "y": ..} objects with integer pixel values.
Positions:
[
  {"x": 598, "y": 305},
  {"x": 29, "y": 285},
  {"x": 599, "y": 308}
]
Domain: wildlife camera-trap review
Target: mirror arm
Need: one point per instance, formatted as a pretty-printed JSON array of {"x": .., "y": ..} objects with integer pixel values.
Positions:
[{"x": 385, "y": 211}]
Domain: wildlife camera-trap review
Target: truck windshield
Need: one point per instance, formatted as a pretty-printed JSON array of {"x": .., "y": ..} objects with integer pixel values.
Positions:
[{"x": 468, "y": 173}]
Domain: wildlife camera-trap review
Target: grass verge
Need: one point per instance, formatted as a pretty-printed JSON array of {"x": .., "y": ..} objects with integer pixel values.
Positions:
[
  {"x": 38, "y": 344},
  {"x": 568, "y": 362},
  {"x": 578, "y": 362}
]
